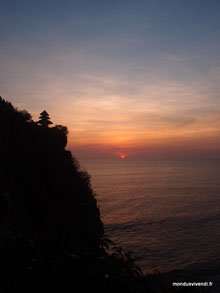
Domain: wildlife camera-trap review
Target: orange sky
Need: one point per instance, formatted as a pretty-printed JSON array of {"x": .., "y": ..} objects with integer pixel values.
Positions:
[
  {"x": 152, "y": 123},
  {"x": 160, "y": 117}
]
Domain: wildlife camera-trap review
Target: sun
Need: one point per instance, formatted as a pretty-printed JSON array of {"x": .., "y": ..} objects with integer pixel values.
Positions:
[{"x": 122, "y": 156}]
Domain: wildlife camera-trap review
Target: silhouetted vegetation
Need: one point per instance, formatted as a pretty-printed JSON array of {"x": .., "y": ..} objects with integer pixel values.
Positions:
[{"x": 52, "y": 237}]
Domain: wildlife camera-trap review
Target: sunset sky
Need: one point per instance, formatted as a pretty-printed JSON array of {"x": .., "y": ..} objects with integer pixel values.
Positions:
[{"x": 138, "y": 77}]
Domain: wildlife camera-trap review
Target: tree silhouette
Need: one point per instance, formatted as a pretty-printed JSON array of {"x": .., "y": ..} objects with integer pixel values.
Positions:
[{"x": 44, "y": 119}]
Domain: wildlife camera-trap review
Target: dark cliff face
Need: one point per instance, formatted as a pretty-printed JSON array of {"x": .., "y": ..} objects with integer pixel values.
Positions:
[{"x": 44, "y": 197}]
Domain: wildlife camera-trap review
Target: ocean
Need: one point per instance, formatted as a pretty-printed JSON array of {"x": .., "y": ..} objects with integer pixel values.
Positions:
[{"x": 166, "y": 212}]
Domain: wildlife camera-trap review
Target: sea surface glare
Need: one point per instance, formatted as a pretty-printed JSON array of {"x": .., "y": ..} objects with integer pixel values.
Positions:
[{"x": 167, "y": 212}]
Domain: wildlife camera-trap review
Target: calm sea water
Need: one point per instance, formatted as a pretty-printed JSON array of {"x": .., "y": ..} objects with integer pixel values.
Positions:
[{"x": 168, "y": 213}]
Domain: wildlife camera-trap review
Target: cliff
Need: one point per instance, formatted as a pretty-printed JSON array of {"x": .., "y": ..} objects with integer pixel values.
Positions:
[{"x": 51, "y": 234}]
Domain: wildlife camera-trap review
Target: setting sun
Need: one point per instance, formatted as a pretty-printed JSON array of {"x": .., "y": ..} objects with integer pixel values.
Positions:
[{"x": 122, "y": 156}]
